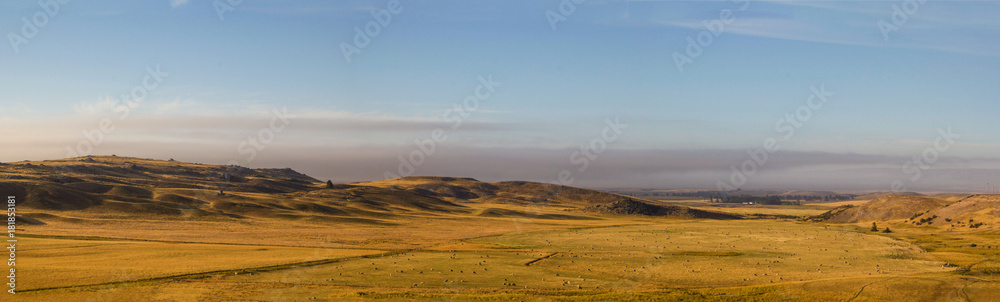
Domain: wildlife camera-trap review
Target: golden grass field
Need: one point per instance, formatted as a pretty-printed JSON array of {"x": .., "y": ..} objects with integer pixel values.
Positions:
[
  {"x": 501, "y": 259},
  {"x": 462, "y": 240}
]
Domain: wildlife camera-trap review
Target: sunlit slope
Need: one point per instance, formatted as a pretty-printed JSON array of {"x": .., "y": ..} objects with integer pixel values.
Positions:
[
  {"x": 510, "y": 192},
  {"x": 973, "y": 212},
  {"x": 468, "y": 190},
  {"x": 113, "y": 187},
  {"x": 980, "y": 211},
  {"x": 884, "y": 209},
  {"x": 116, "y": 187}
]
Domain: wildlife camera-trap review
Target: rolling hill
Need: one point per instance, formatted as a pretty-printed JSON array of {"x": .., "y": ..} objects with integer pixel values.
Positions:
[
  {"x": 629, "y": 206},
  {"x": 975, "y": 211},
  {"x": 883, "y": 209},
  {"x": 876, "y": 195},
  {"x": 950, "y": 211},
  {"x": 505, "y": 192},
  {"x": 122, "y": 187}
]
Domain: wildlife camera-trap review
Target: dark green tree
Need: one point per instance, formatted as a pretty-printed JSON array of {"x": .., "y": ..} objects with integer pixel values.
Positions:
[
  {"x": 329, "y": 184},
  {"x": 874, "y": 227}
]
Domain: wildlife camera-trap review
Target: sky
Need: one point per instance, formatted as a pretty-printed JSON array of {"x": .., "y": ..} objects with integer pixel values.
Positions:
[{"x": 826, "y": 95}]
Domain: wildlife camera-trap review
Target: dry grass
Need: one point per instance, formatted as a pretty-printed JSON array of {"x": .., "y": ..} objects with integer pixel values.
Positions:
[
  {"x": 791, "y": 210},
  {"x": 67, "y": 262},
  {"x": 637, "y": 259},
  {"x": 840, "y": 203},
  {"x": 434, "y": 239}
]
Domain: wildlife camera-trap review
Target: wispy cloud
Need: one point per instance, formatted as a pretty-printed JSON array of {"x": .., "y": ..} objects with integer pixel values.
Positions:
[
  {"x": 100, "y": 106},
  {"x": 787, "y": 29},
  {"x": 176, "y": 3},
  {"x": 320, "y": 10},
  {"x": 174, "y": 106},
  {"x": 856, "y": 23}
]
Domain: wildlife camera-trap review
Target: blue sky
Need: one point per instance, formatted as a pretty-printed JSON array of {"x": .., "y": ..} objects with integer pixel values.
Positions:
[{"x": 891, "y": 93}]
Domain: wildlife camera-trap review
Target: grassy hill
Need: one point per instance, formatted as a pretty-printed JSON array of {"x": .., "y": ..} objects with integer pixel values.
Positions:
[
  {"x": 981, "y": 211},
  {"x": 629, "y": 206},
  {"x": 971, "y": 212},
  {"x": 506, "y": 192},
  {"x": 876, "y": 195},
  {"x": 884, "y": 209},
  {"x": 118, "y": 187}
]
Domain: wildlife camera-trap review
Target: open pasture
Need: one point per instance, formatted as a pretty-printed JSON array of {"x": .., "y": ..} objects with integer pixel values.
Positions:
[
  {"x": 632, "y": 260},
  {"x": 53, "y": 263}
]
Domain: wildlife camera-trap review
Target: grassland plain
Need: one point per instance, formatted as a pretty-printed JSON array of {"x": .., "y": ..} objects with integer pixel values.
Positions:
[
  {"x": 156, "y": 231},
  {"x": 607, "y": 258},
  {"x": 69, "y": 262}
]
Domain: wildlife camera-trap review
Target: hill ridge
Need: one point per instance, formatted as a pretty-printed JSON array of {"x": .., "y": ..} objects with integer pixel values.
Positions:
[{"x": 115, "y": 187}]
